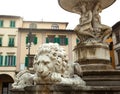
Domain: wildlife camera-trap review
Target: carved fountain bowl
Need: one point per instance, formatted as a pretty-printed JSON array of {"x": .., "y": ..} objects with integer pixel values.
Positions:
[{"x": 68, "y": 5}]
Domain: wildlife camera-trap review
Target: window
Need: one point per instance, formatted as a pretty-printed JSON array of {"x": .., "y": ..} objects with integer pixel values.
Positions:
[
  {"x": 55, "y": 26},
  {"x": 29, "y": 61},
  {"x": 1, "y": 23},
  {"x": 62, "y": 40},
  {"x": 51, "y": 38},
  {"x": 12, "y": 23},
  {"x": 118, "y": 37},
  {"x": 33, "y": 39},
  {"x": 1, "y": 60},
  {"x": 10, "y": 60},
  {"x": 6, "y": 87},
  {"x": 11, "y": 42},
  {"x": 33, "y": 25},
  {"x": 0, "y": 41}
]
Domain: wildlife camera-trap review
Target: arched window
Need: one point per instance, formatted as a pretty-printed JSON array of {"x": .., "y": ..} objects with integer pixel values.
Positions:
[
  {"x": 33, "y": 25},
  {"x": 55, "y": 26}
]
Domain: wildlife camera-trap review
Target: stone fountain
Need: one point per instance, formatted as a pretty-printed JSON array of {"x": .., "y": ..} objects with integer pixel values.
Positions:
[
  {"x": 92, "y": 53},
  {"x": 91, "y": 73}
]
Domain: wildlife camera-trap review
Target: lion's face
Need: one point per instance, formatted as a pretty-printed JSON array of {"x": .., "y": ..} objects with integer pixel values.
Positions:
[{"x": 45, "y": 65}]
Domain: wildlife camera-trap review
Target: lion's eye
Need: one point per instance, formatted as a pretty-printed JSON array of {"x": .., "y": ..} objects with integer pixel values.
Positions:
[{"x": 45, "y": 63}]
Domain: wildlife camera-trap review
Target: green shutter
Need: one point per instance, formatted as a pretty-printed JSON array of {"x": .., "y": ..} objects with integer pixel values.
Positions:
[
  {"x": 12, "y": 42},
  {"x": 1, "y": 60},
  {"x": 0, "y": 41},
  {"x": 6, "y": 60},
  {"x": 66, "y": 41},
  {"x": 9, "y": 44},
  {"x": 47, "y": 41},
  {"x": 35, "y": 40},
  {"x": 1, "y": 23},
  {"x": 14, "y": 61},
  {"x": 26, "y": 40},
  {"x": 26, "y": 61},
  {"x": 12, "y": 23},
  {"x": 56, "y": 40}
]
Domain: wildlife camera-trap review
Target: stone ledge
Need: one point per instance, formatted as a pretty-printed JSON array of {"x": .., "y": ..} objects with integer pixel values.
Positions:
[{"x": 69, "y": 89}]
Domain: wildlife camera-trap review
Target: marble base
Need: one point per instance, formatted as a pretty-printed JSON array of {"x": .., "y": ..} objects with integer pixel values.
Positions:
[
  {"x": 102, "y": 78},
  {"x": 66, "y": 89},
  {"x": 93, "y": 56}
]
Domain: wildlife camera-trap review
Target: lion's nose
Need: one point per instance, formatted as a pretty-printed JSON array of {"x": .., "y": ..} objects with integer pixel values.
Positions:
[{"x": 40, "y": 68}]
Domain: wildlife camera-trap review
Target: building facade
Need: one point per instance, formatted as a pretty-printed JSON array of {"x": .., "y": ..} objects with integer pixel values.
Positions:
[
  {"x": 116, "y": 44},
  {"x": 17, "y": 36}
]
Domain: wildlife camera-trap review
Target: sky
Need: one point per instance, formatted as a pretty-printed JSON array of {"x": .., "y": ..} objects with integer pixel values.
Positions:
[{"x": 49, "y": 10}]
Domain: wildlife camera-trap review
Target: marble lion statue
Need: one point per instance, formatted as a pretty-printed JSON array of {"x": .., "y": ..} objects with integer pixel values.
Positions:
[
  {"x": 23, "y": 78},
  {"x": 51, "y": 66}
]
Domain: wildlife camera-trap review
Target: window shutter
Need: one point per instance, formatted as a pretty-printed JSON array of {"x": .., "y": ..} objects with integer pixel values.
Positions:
[
  {"x": 6, "y": 60},
  {"x": 35, "y": 40},
  {"x": 1, "y": 60},
  {"x": 12, "y": 42},
  {"x": 12, "y": 23},
  {"x": 1, "y": 23},
  {"x": 47, "y": 41},
  {"x": 0, "y": 41},
  {"x": 9, "y": 44},
  {"x": 26, "y": 40},
  {"x": 56, "y": 40},
  {"x": 66, "y": 41},
  {"x": 26, "y": 61},
  {"x": 14, "y": 60}
]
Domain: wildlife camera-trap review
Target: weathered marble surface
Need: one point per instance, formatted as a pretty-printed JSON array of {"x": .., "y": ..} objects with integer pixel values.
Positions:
[
  {"x": 50, "y": 66},
  {"x": 90, "y": 29},
  {"x": 23, "y": 78},
  {"x": 68, "y": 89}
]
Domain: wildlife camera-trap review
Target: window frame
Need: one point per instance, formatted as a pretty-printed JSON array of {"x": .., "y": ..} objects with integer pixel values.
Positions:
[
  {"x": 10, "y": 60},
  {"x": 11, "y": 41},
  {"x": 12, "y": 23},
  {"x": 50, "y": 39}
]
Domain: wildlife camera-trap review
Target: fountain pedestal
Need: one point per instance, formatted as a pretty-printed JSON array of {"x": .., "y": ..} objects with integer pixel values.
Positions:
[
  {"x": 94, "y": 60},
  {"x": 93, "y": 56}
]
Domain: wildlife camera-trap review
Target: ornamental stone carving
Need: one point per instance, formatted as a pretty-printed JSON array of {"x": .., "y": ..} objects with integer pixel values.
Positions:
[
  {"x": 23, "y": 78},
  {"x": 51, "y": 66}
]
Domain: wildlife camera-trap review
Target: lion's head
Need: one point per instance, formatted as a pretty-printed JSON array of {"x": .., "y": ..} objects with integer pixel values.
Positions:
[{"x": 50, "y": 58}]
